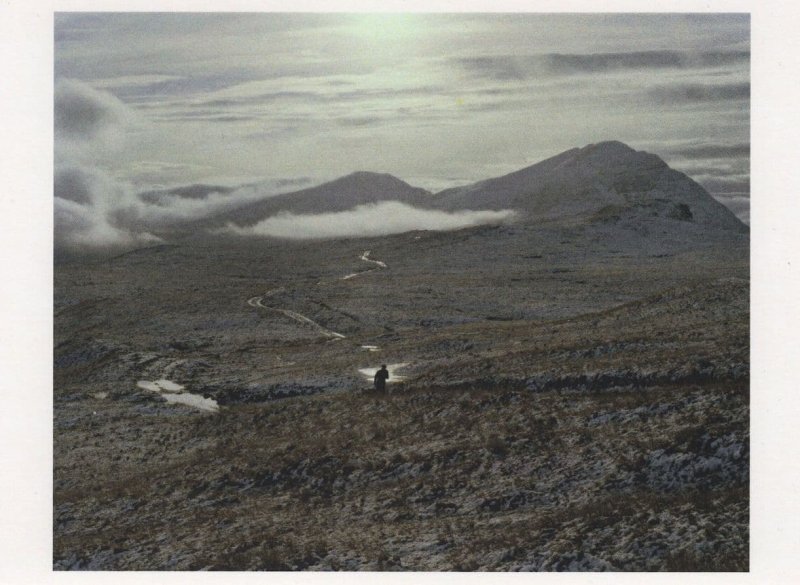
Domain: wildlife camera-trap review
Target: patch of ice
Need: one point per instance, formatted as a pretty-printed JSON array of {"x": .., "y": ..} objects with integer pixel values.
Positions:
[
  {"x": 168, "y": 386},
  {"x": 369, "y": 373},
  {"x": 194, "y": 400},
  {"x": 145, "y": 385},
  {"x": 160, "y": 386},
  {"x": 173, "y": 394}
]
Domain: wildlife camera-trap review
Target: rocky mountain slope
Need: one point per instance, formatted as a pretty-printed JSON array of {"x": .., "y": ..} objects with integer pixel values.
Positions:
[{"x": 605, "y": 180}]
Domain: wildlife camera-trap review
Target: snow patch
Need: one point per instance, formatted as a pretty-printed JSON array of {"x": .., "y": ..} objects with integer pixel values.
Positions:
[
  {"x": 173, "y": 393},
  {"x": 194, "y": 400}
]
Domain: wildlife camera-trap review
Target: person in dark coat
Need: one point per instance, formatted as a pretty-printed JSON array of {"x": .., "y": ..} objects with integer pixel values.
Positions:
[{"x": 380, "y": 379}]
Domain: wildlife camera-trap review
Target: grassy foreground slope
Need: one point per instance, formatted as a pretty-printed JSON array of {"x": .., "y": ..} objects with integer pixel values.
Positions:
[{"x": 613, "y": 440}]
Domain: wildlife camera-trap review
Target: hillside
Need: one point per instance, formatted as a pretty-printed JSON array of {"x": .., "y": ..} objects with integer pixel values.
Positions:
[
  {"x": 574, "y": 397},
  {"x": 605, "y": 180},
  {"x": 341, "y": 194},
  {"x": 614, "y": 440}
]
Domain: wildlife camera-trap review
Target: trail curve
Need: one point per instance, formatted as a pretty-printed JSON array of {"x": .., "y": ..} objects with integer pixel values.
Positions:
[
  {"x": 258, "y": 302},
  {"x": 365, "y": 257}
]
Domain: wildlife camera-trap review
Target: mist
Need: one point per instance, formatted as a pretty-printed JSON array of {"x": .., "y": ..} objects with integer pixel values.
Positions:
[
  {"x": 95, "y": 209},
  {"x": 379, "y": 219}
]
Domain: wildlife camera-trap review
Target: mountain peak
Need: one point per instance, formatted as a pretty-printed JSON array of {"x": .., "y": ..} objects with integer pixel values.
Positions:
[
  {"x": 361, "y": 179},
  {"x": 368, "y": 175},
  {"x": 342, "y": 194},
  {"x": 608, "y": 146},
  {"x": 583, "y": 182},
  {"x": 612, "y": 153}
]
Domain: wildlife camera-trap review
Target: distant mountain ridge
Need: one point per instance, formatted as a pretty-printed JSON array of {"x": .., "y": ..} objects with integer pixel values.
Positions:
[
  {"x": 608, "y": 181},
  {"x": 195, "y": 191},
  {"x": 359, "y": 188}
]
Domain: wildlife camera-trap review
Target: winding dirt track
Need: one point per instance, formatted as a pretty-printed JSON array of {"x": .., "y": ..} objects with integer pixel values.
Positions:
[
  {"x": 258, "y": 301},
  {"x": 365, "y": 257}
]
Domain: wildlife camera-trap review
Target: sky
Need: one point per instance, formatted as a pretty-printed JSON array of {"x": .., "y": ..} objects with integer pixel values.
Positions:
[{"x": 159, "y": 100}]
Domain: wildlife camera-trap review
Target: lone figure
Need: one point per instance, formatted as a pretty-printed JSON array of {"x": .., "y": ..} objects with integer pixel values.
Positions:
[{"x": 380, "y": 379}]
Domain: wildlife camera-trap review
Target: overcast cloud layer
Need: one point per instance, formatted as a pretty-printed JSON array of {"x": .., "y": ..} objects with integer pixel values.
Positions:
[{"x": 145, "y": 101}]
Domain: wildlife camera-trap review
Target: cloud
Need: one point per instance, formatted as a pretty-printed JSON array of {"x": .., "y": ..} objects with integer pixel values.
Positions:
[
  {"x": 70, "y": 184},
  {"x": 126, "y": 81},
  {"x": 84, "y": 203},
  {"x": 713, "y": 151},
  {"x": 389, "y": 217},
  {"x": 96, "y": 211},
  {"x": 519, "y": 67},
  {"x": 186, "y": 85},
  {"x": 358, "y": 121},
  {"x": 87, "y": 123},
  {"x": 84, "y": 114},
  {"x": 699, "y": 93},
  {"x": 598, "y": 62},
  {"x": 172, "y": 208},
  {"x": 79, "y": 229},
  {"x": 724, "y": 168}
]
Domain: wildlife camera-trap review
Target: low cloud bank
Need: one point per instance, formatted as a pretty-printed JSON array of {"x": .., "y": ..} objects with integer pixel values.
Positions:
[
  {"x": 173, "y": 209},
  {"x": 96, "y": 211},
  {"x": 85, "y": 206},
  {"x": 88, "y": 122},
  {"x": 379, "y": 219}
]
